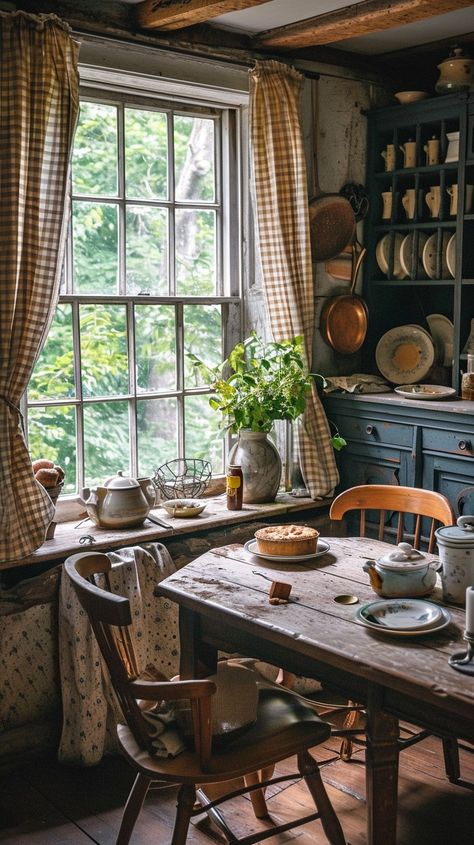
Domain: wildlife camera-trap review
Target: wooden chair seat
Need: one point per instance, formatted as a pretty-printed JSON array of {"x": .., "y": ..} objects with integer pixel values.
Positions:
[{"x": 284, "y": 725}]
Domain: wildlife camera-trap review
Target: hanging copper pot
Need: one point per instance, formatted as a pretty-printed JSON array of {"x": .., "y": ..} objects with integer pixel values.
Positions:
[{"x": 344, "y": 318}]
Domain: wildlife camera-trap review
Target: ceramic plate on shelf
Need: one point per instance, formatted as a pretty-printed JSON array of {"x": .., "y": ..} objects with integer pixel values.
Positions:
[
  {"x": 406, "y": 256},
  {"x": 442, "y": 332},
  {"x": 405, "y": 354},
  {"x": 425, "y": 391},
  {"x": 430, "y": 256},
  {"x": 451, "y": 255},
  {"x": 403, "y": 617},
  {"x": 382, "y": 251},
  {"x": 323, "y": 547}
]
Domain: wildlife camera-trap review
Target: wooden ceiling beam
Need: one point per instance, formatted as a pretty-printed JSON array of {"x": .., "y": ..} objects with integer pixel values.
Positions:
[
  {"x": 177, "y": 14},
  {"x": 358, "y": 19}
]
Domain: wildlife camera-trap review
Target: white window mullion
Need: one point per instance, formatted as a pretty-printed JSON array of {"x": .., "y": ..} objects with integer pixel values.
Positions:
[
  {"x": 180, "y": 376},
  {"x": 76, "y": 339},
  {"x": 122, "y": 281},
  {"x": 132, "y": 386}
]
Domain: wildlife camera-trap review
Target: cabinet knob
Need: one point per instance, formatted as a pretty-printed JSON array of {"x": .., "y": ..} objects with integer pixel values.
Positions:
[
  {"x": 465, "y": 445},
  {"x": 370, "y": 429}
]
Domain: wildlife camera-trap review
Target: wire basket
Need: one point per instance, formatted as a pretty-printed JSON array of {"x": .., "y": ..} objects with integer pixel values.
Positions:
[{"x": 183, "y": 478}]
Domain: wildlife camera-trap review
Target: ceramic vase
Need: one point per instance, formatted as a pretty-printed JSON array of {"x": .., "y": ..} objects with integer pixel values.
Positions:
[{"x": 261, "y": 466}]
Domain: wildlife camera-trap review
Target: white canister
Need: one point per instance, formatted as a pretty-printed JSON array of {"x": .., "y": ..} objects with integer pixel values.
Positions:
[{"x": 456, "y": 552}]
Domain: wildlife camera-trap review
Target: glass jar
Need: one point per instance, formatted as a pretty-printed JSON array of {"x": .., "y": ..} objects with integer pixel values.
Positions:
[
  {"x": 467, "y": 383},
  {"x": 234, "y": 487}
]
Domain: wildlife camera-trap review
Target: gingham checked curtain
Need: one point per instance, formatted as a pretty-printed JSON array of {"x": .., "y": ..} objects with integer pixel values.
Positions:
[
  {"x": 39, "y": 102},
  {"x": 281, "y": 213}
]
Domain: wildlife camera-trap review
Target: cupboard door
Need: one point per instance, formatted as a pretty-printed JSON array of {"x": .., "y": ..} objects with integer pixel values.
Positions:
[{"x": 454, "y": 477}]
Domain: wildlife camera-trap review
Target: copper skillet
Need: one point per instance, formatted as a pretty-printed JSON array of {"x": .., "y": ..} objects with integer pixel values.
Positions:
[{"x": 344, "y": 318}]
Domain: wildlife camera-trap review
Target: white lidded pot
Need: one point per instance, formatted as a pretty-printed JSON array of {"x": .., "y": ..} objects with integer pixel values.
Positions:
[
  {"x": 403, "y": 572},
  {"x": 456, "y": 552},
  {"x": 121, "y": 502}
]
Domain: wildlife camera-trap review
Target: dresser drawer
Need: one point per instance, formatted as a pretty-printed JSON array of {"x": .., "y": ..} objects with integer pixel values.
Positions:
[
  {"x": 365, "y": 429},
  {"x": 453, "y": 442}
]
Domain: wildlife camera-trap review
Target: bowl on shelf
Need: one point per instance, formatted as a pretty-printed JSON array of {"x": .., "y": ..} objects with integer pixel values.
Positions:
[{"x": 411, "y": 96}]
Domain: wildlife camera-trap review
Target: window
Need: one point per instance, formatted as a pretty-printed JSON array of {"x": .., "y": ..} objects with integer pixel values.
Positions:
[{"x": 152, "y": 271}]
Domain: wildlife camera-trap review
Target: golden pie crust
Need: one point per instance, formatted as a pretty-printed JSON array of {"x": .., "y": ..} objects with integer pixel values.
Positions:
[{"x": 287, "y": 540}]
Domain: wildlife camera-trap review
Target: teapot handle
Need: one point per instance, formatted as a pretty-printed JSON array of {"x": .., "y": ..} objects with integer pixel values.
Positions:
[{"x": 466, "y": 522}]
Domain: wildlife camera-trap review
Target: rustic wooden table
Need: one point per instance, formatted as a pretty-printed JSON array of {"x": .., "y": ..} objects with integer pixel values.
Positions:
[{"x": 224, "y": 605}]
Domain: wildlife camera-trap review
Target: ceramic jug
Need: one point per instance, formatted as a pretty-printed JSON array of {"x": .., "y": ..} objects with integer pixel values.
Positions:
[
  {"x": 389, "y": 156},
  {"x": 386, "y": 205},
  {"x": 401, "y": 573},
  {"x": 456, "y": 72},
  {"x": 431, "y": 149},
  {"x": 456, "y": 552},
  {"x": 433, "y": 200},
  {"x": 118, "y": 503},
  {"x": 409, "y": 202},
  {"x": 409, "y": 153}
]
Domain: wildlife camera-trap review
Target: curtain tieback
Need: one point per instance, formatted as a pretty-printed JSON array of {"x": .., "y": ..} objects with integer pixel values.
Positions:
[{"x": 13, "y": 407}]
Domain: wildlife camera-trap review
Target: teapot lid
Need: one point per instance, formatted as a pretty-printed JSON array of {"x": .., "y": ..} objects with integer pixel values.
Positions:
[
  {"x": 460, "y": 535},
  {"x": 456, "y": 53},
  {"x": 121, "y": 482},
  {"x": 404, "y": 556}
]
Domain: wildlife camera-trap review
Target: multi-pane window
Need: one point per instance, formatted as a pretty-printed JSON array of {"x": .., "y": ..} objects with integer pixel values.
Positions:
[{"x": 146, "y": 280}]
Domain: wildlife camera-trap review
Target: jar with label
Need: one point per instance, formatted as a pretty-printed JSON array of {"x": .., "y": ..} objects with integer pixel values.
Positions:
[
  {"x": 234, "y": 487},
  {"x": 467, "y": 383}
]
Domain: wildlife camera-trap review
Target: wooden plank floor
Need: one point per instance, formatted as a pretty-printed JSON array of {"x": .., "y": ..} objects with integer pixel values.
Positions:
[{"x": 45, "y": 803}]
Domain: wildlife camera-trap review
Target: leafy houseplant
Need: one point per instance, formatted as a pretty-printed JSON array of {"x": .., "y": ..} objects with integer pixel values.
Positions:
[{"x": 257, "y": 384}]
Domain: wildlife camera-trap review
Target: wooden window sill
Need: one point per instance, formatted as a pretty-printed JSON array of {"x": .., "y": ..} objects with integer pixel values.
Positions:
[{"x": 66, "y": 538}]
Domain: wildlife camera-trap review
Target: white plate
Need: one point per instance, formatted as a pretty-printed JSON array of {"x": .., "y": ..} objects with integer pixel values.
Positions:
[
  {"x": 430, "y": 252},
  {"x": 183, "y": 507},
  {"x": 451, "y": 255},
  {"x": 425, "y": 391},
  {"x": 323, "y": 547},
  {"x": 442, "y": 332},
  {"x": 403, "y": 617},
  {"x": 382, "y": 252},
  {"x": 405, "y": 354},
  {"x": 406, "y": 255}
]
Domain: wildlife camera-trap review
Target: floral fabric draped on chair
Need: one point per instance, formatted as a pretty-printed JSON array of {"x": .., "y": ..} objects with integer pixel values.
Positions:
[
  {"x": 282, "y": 220},
  {"x": 38, "y": 113}
]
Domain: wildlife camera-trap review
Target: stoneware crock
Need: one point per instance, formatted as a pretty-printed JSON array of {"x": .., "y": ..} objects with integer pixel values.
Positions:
[
  {"x": 456, "y": 552},
  {"x": 401, "y": 573}
]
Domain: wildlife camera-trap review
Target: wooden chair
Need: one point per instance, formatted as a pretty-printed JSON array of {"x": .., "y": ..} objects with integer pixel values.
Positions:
[
  {"x": 284, "y": 726},
  {"x": 390, "y": 500}
]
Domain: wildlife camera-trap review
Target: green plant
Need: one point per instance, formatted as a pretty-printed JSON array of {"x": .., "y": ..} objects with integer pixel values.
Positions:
[{"x": 266, "y": 382}]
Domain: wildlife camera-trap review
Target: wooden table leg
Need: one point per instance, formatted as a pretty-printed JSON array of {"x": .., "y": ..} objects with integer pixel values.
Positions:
[
  {"x": 381, "y": 771},
  {"x": 197, "y": 659}
]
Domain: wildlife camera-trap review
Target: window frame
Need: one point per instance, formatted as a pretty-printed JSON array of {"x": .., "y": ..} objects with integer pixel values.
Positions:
[{"x": 230, "y": 107}]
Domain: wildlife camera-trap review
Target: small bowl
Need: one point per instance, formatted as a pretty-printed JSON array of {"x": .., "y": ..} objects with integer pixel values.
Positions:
[
  {"x": 411, "y": 96},
  {"x": 183, "y": 507}
]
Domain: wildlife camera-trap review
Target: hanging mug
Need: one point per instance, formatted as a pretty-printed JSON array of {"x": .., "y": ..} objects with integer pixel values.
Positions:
[
  {"x": 431, "y": 149},
  {"x": 433, "y": 200},
  {"x": 388, "y": 154},
  {"x": 409, "y": 153}
]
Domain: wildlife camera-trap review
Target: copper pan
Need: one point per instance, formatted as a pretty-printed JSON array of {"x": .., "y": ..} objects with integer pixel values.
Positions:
[{"x": 344, "y": 318}]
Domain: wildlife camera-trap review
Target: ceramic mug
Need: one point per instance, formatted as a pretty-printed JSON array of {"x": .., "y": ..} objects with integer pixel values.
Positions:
[
  {"x": 433, "y": 200},
  {"x": 452, "y": 190},
  {"x": 409, "y": 202},
  {"x": 388, "y": 154},
  {"x": 409, "y": 153},
  {"x": 386, "y": 205},
  {"x": 431, "y": 149}
]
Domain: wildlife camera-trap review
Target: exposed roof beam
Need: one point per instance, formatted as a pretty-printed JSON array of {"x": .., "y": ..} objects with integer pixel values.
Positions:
[
  {"x": 351, "y": 21},
  {"x": 177, "y": 14}
]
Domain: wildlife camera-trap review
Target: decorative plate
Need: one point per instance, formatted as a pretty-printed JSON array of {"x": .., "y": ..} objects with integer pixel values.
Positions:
[
  {"x": 430, "y": 256},
  {"x": 405, "y": 354},
  {"x": 382, "y": 252},
  {"x": 403, "y": 617},
  {"x": 451, "y": 255},
  {"x": 425, "y": 391},
  {"x": 442, "y": 332},
  {"x": 323, "y": 547},
  {"x": 406, "y": 255},
  {"x": 183, "y": 507}
]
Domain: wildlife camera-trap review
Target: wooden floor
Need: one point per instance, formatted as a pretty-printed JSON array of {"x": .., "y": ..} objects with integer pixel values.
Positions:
[{"x": 45, "y": 803}]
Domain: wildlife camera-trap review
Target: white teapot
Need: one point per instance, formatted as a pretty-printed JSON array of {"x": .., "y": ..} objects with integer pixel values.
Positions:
[
  {"x": 121, "y": 502},
  {"x": 404, "y": 572}
]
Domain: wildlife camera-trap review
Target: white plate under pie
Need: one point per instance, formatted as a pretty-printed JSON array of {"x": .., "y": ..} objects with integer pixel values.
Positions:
[
  {"x": 405, "y": 354},
  {"x": 425, "y": 391},
  {"x": 403, "y": 617},
  {"x": 323, "y": 547}
]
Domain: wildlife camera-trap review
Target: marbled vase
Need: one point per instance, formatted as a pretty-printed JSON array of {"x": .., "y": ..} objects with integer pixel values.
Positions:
[{"x": 261, "y": 465}]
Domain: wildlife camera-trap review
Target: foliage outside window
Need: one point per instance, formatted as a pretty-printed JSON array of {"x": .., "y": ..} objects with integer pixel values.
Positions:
[{"x": 144, "y": 284}]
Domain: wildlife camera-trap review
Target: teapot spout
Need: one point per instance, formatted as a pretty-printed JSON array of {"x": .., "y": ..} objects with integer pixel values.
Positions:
[{"x": 375, "y": 579}]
